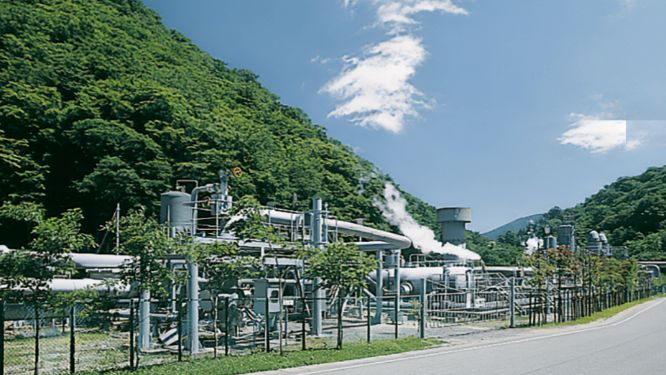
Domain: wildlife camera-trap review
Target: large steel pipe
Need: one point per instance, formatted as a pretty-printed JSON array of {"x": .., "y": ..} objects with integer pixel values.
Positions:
[{"x": 392, "y": 240}]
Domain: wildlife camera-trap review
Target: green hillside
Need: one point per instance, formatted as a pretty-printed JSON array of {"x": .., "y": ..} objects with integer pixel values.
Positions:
[
  {"x": 631, "y": 211},
  {"x": 100, "y": 103},
  {"x": 513, "y": 226}
]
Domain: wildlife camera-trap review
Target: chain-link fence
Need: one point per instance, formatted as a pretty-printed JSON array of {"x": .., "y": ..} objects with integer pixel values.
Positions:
[
  {"x": 108, "y": 333},
  {"x": 91, "y": 335},
  {"x": 513, "y": 304}
]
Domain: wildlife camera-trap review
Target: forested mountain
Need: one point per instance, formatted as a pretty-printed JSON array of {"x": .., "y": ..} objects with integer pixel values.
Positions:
[
  {"x": 100, "y": 103},
  {"x": 514, "y": 226},
  {"x": 631, "y": 211}
]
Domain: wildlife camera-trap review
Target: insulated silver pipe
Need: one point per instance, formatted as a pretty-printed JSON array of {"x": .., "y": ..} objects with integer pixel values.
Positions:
[
  {"x": 393, "y": 241},
  {"x": 193, "y": 308},
  {"x": 83, "y": 260},
  {"x": 195, "y": 197},
  {"x": 379, "y": 288},
  {"x": 318, "y": 293},
  {"x": 317, "y": 223},
  {"x": 144, "y": 320}
]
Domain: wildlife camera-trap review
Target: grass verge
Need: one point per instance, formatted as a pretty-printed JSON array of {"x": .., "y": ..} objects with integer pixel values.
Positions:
[
  {"x": 273, "y": 361},
  {"x": 604, "y": 314}
]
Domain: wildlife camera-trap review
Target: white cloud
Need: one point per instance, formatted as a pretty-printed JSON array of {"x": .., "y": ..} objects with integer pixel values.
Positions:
[
  {"x": 597, "y": 135},
  {"x": 646, "y": 133},
  {"x": 375, "y": 90},
  {"x": 629, "y": 3},
  {"x": 398, "y": 14},
  {"x": 374, "y": 87},
  {"x": 320, "y": 60}
]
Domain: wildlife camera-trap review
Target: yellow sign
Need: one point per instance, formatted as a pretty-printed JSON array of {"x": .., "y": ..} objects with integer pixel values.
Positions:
[{"x": 237, "y": 172}]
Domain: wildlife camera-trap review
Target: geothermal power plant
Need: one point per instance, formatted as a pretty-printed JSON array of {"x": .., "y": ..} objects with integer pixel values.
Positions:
[{"x": 452, "y": 278}]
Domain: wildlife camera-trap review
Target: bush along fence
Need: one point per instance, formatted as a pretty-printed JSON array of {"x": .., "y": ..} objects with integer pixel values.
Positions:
[{"x": 571, "y": 303}]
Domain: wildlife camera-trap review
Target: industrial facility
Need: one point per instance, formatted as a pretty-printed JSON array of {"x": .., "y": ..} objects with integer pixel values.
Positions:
[{"x": 451, "y": 284}]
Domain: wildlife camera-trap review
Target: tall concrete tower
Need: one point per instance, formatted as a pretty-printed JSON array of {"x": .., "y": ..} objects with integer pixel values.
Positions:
[{"x": 453, "y": 221}]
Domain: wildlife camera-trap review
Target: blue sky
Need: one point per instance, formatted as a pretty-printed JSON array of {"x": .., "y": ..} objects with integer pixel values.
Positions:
[{"x": 510, "y": 107}]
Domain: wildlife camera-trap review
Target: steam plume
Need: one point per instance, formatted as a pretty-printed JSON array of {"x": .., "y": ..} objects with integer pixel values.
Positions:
[{"x": 394, "y": 209}]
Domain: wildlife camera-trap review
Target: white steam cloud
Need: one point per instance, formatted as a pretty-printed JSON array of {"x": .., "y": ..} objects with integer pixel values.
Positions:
[
  {"x": 533, "y": 244},
  {"x": 394, "y": 209}
]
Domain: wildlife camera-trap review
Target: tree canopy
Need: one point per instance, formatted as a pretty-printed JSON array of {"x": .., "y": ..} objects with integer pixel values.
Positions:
[
  {"x": 102, "y": 104},
  {"x": 631, "y": 211},
  {"x": 45, "y": 257}
]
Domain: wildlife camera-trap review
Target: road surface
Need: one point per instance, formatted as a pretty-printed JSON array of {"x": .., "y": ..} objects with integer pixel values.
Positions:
[{"x": 633, "y": 342}]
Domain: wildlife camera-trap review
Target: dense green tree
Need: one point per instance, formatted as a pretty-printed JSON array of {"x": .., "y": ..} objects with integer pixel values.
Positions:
[
  {"x": 494, "y": 253},
  {"x": 30, "y": 269},
  {"x": 631, "y": 211},
  {"x": 148, "y": 243},
  {"x": 106, "y": 106},
  {"x": 340, "y": 266}
]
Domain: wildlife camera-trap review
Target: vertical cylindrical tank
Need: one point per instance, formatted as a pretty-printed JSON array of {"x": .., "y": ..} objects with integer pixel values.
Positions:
[
  {"x": 453, "y": 221},
  {"x": 176, "y": 210},
  {"x": 565, "y": 235},
  {"x": 594, "y": 244},
  {"x": 550, "y": 242},
  {"x": 605, "y": 246}
]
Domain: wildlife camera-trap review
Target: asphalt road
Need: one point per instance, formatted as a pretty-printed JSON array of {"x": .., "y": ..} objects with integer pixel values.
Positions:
[{"x": 631, "y": 343}]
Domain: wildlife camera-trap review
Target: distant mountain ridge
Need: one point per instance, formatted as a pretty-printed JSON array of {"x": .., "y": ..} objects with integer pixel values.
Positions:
[
  {"x": 631, "y": 212},
  {"x": 513, "y": 226}
]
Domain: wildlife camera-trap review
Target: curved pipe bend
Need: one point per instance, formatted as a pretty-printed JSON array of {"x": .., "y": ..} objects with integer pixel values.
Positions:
[{"x": 391, "y": 240}]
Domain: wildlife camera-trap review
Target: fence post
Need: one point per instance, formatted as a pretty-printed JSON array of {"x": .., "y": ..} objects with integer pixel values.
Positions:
[
  {"x": 36, "y": 339},
  {"x": 226, "y": 326},
  {"x": 179, "y": 327},
  {"x": 267, "y": 325},
  {"x": 2, "y": 336},
  {"x": 396, "y": 311},
  {"x": 568, "y": 313},
  {"x": 302, "y": 324},
  {"x": 531, "y": 310},
  {"x": 339, "y": 321},
  {"x": 512, "y": 302},
  {"x": 423, "y": 297},
  {"x": 369, "y": 322},
  {"x": 215, "y": 312},
  {"x": 131, "y": 334},
  {"x": 304, "y": 303},
  {"x": 72, "y": 339},
  {"x": 280, "y": 308}
]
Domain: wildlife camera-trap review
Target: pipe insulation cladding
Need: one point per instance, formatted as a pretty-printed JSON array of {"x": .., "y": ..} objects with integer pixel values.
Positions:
[{"x": 395, "y": 241}]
